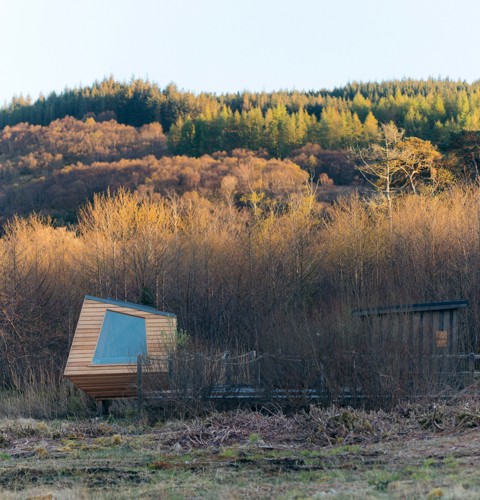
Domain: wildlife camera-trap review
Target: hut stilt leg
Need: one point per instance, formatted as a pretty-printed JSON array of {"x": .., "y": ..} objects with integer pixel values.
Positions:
[{"x": 102, "y": 407}]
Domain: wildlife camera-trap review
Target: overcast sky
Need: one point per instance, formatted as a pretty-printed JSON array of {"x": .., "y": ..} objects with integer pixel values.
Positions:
[{"x": 232, "y": 45}]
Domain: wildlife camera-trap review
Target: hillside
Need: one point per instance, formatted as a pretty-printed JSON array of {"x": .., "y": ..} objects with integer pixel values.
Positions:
[
  {"x": 431, "y": 109},
  {"x": 54, "y": 169},
  {"x": 58, "y": 151}
]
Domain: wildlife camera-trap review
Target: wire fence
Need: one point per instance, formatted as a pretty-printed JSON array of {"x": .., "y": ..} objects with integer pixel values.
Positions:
[{"x": 350, "y": 378}]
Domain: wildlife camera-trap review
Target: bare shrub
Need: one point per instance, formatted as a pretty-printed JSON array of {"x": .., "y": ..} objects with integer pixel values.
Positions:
[{"x": 280, "y": 279}]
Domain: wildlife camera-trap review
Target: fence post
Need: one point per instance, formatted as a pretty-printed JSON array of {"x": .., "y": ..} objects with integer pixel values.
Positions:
[
  {"x": 471, "y": 367},
  {"x": 170, "y": 371},
  {"x": 228, "y": 369},
  {"x": 198, "y": 370},
  {"x": 355, "y": 379},
  {"x": 251, "y": 367},
  {"x": 139, "y": 383},
  {"x": 258, "y": 369}
]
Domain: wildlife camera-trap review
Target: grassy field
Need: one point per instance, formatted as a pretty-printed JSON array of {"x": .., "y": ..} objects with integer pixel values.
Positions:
[{"x": 414, "y": 452}]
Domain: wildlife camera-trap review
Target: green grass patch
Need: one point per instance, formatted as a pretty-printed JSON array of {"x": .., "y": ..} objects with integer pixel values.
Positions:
[
  {"x": 380, "y": 479},
  {"x": 351, "y": 449}
]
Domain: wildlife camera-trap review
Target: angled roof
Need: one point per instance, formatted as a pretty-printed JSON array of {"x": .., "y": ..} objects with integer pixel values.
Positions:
[
  {"x": 412, "y": 308},
  {"x": 131, "y": 305}
]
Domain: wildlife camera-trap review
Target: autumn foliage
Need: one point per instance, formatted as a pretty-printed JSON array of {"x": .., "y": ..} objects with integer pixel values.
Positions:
[
  {"x": 261, "y": 220},
  {"x": 267, "y": 277}
]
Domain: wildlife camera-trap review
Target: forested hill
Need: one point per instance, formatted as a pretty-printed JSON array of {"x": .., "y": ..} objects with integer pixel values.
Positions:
[
  {"x": 56, "y": 168},
  {"x": 57, "y": 152},
  {"x": 279, "y": 122}
]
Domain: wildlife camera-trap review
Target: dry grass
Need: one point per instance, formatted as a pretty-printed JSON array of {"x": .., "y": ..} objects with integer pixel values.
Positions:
[{"x": 46, "y": 401}]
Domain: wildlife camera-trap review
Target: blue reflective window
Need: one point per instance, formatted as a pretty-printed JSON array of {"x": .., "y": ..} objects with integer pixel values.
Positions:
[{"x": 121, "y": 339}]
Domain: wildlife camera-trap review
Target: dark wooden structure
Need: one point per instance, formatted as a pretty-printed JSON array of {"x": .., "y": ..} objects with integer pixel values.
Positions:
[
  {"x": 109, "y": 337},
  {"x": 409, "y": 350},
  {"x": 429, "y": 329}
]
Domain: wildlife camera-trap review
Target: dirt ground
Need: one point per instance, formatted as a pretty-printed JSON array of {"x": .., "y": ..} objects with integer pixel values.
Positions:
[{"x": 415, "y": 452}]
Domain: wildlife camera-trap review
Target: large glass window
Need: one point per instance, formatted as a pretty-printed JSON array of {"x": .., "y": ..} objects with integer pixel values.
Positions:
[{"x": 122, "y": 339}]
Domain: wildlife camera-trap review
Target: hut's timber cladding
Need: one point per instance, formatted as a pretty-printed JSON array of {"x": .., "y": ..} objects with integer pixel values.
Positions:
[
  {"x": 429, "y": 329},
  {"x": 89, "y": 366}
]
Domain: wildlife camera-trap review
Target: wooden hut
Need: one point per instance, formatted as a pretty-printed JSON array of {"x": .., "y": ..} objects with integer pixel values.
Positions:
[
  {"x": 109, "y": 337},
  {"x": 413, "y": 349},
  {"x": 430, "y": 328}
]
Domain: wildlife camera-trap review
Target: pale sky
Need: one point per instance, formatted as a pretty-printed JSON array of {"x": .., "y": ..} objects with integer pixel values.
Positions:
[{"x": 233, "y": 45}]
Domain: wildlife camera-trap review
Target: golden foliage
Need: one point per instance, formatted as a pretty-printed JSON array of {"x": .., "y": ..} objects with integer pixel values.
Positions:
[{"x": 285, "y": 277}]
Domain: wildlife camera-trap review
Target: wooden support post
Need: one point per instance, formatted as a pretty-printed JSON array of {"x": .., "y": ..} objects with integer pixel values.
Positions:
[
  {"x": 99, "y": 403},
  {"x": 102, "y": 407},
  {"x": 139, "y": 383},
  {"x": 471, "y": 368}
]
